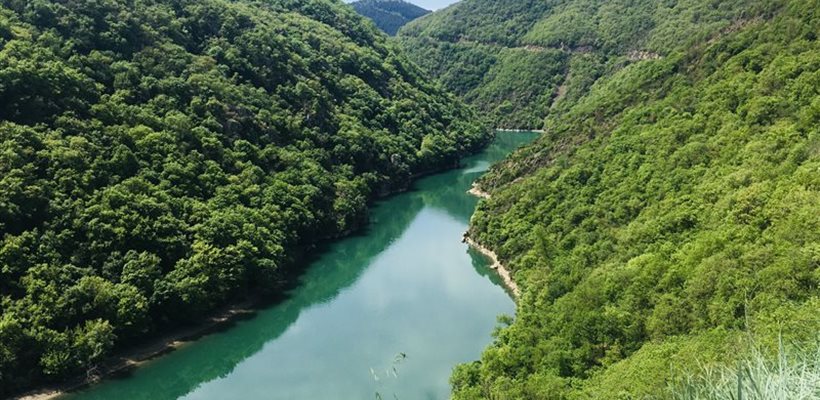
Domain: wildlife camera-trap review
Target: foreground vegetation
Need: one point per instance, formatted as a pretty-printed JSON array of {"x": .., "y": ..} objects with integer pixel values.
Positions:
[
  {"x": 159, "y": 158},
  {"x": 671, "y": 204},
  {"x": 794, "y": 374}
]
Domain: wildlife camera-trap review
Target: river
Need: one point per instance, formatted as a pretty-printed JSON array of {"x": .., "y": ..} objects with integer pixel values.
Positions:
[{"x": 384, "y": 314}]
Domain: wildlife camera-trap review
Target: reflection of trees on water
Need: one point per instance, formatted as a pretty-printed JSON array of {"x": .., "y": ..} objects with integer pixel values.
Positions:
[
  {"x": 217, "y": 355},
  {"x": 337, "y": 268},
  {"x": 446, "y": 191}
]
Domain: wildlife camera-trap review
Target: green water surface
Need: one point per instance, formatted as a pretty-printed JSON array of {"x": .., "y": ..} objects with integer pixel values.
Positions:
[{"x": 389, "y": 311}]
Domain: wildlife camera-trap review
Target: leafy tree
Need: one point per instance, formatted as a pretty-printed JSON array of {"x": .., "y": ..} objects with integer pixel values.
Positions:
[
  {"x": 159, "y": 159},
  {"x": 667, "y": 208}
]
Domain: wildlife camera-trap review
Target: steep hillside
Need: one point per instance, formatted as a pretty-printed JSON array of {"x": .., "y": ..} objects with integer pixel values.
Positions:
[
  {"x": 389, "y": 15},
  {"x": 553, "y": 50},
  {"x": 159, "y": 158},
  {"x": 671, "y": 205}
]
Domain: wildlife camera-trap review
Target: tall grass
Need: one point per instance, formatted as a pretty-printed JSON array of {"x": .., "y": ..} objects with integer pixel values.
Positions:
[{"x": 793, "y": 375}]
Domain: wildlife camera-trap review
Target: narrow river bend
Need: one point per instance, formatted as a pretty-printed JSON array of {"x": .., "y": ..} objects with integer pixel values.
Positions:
[{"x": 390, "y": 311}]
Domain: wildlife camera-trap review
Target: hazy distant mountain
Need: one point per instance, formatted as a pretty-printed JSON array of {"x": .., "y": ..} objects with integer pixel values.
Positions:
[
  {"x": 434, "y": 5},
  {"x": 389, "y": 15}
]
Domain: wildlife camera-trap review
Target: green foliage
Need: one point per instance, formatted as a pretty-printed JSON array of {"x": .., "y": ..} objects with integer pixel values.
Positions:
[
  {"x": 77, "y": 349},
  {"x": 668, "y": 207},
  {"x": 507, "y": 86},
  {"x": 459, "y": 66},
  {"x": 484, "y": 21},
  {"x": 594, "y": 38},
  {"x": 159, "y": 158},
  {"x": 794, "y": 374},
  {"x": 389, "y": 15}
]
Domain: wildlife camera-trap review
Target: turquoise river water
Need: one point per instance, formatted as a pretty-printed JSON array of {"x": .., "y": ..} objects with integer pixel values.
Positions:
[{"x": 384, "y": 314}]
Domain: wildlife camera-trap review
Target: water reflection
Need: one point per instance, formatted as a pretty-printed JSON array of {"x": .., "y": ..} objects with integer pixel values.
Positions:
[{"x": 405, "y": 285}]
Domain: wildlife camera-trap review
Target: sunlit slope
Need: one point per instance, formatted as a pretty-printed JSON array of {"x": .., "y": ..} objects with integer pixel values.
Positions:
[
  {"x": 554, "y": 50},
  {"x": 668, "y": 210},
  {"x": 161, "y": 158}
]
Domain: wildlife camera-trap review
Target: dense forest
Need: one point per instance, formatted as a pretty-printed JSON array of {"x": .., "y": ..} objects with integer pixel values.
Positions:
[
  {"x": 161, "y": 158},
  {"x": 389, "y": 15},
  {"x": 669, "y": 214},
  {"x": 475, "y": 48},
  {"x": 516, "y": 60}
]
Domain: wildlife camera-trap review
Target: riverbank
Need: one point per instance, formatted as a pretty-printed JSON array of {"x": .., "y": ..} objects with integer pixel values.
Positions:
[
  {"x": 406, "y": 250},
  {"x": 476, "y": 191},
  {"x": 129, "y": 363},
  {"x": 134, "y": 357},
  {"x": 521, "y": 130},
  {"x": 496, "y": 265}
]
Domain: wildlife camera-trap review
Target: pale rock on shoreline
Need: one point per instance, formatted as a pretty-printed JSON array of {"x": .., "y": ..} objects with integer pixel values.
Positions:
[{"x": 496, "y": 265}]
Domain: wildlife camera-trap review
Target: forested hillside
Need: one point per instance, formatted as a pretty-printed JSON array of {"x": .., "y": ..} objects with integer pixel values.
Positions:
[
  {"x": 160, "y": 158},
  {"x": 671, "y": 207},
  {"x": 519, "y": 61},
  {"x": 389, "y": 15}
]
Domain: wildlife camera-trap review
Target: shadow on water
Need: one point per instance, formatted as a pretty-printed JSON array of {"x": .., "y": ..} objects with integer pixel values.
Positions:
[{"x": 338, "y": 267}]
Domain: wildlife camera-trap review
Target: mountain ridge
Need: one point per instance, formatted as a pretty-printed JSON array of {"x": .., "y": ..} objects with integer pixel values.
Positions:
[{"x": 389, "y": 15}]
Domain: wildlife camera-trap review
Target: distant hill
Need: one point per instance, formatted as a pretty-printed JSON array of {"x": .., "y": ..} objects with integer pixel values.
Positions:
[{"x": 389, "y": 15}]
